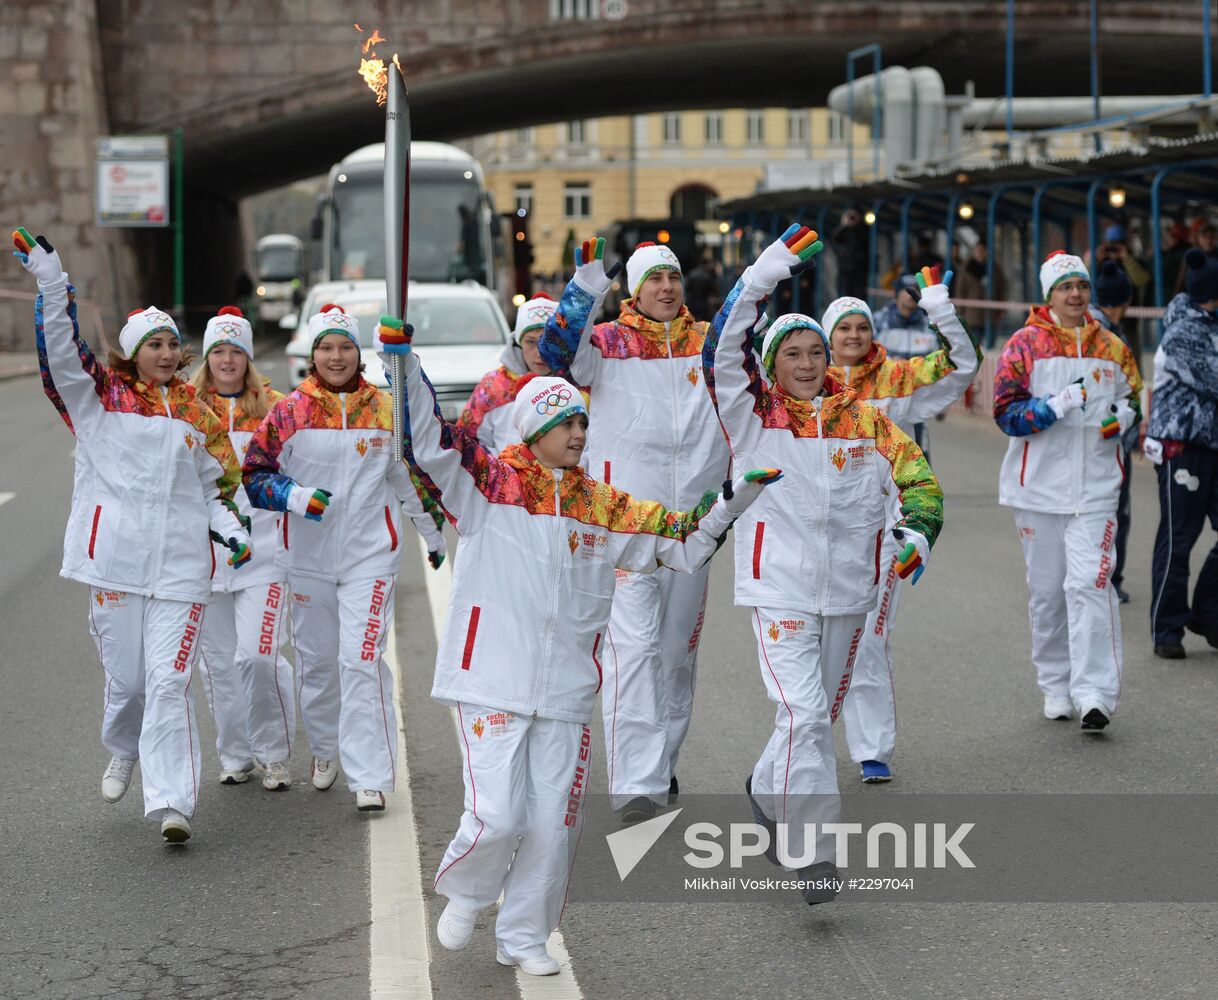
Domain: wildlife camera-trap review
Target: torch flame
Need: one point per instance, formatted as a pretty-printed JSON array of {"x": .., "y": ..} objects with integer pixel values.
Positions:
[{"x": 372, "y": 67}]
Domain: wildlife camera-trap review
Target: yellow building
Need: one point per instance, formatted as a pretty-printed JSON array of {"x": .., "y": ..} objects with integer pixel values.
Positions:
[{"x": 583, "y": 175}]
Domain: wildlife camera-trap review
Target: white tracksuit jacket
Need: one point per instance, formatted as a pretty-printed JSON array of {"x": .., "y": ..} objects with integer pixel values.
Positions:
[
  {"x": 338, "y": 442},
  {"x": 147, "y": 490},
  {"x": 850, "y": 474},
  {"x": 1062, "y": 466},
  {"x": 539, "y": 548},
  {"x": 265, "y": 532}
]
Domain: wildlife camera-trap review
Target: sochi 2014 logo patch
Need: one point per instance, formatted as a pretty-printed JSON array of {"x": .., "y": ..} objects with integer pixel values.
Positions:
[
  {"x": 551, "y": 402},
  {"x": 361, "y": 446},
  {"x": 838, "y": 458},
  {"x": 478, "y": 727},
  {"x": 573, "y": 541},
  {"x": 692, "y": 375},
  {"x": 190, "y": 442}
]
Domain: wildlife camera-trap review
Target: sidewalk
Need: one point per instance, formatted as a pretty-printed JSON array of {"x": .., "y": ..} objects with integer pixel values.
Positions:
[{"x": 14, "y": 364}]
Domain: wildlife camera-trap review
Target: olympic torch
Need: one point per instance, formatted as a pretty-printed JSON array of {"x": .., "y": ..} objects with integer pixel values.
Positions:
[{"x": 397, "y": 234}]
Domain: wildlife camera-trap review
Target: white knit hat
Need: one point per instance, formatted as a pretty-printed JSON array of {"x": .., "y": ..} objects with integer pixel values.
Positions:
[
  {"x": 777, "y": 333},
  {"x": 534, "y": 314},
  {"x": 142, "y": 324},
  {"x": 543, "y": 402},
  {"x": 229, "y": 326},
  {"x": 646, "y": 258},
  {"x": 1059, "y": 266},
  {"x": 332, "y": 319},
  {"x": 847, "y": 305}
]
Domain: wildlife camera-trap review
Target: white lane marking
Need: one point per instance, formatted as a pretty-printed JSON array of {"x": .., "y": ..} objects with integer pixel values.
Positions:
[
  {"x": 6, "y": 497},
  {"x": 563, "y": 986},
  {"x": 400, "y": 956}
]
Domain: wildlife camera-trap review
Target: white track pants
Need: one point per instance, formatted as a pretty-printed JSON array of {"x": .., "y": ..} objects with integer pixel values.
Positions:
[
  {"x": 525, "y": 780},
  {"x": 345, "y": 688},
  {"x": 1076, "y": 627},
  {"x": 806, "y": 663},
  {"x": 870, "y": 709},
  {"x": 650, "y": 669},
  {"x": 248, "y": 680},
  {"x": 148, "y": 649}
]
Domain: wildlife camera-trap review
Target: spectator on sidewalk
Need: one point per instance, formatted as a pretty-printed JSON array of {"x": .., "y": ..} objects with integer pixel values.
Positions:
[
  {"x": 971, "y": 284},
  {"x": 851, "y": 242},
  {"x": 1183, "y": 443}
]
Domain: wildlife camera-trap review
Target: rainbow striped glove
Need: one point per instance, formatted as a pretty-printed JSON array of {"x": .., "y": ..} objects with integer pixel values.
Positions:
[
  {"x": 1118, "y": 421},
  {"x": 739, "y": 493},
  {"x": 933, "y": 293},
  {"x": 791, "y": 254},
  {"x": 37, "y": 256},
  {"x": 242, "y": 552},
  {"x": 590, "y": 266},
  {"x": 912, "y": 559},
  {"x": 395, "y": 336},
  {"x": 308, "y": 502}
]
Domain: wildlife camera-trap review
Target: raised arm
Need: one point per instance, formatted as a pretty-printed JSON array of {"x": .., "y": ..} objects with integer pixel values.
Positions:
[
  {"x": 565, "y": 344},
  {"x": 647, "y": 536},
  {"x": 936, "y": 380},
  {"x": 219, "y": 476},
  {"x": 44, "y": 368},
  {"x": 729, "y": 363},
  {"x": 74, "y": 379}
]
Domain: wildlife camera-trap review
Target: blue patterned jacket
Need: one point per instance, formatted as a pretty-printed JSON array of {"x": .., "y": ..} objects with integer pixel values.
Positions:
[{"x": 1184, "y": 404}]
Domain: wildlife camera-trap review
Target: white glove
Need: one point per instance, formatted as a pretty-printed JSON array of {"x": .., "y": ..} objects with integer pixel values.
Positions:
[
  {"x": 42, "y": 261},
  {"x": 436, "y": 553},
  {"x": 238, "y": 542},
  {"x": 308, "y": 502},
  {"x": 1126, "y": 416},
  {"x": 590, "y": 267},
  {"x": 911, "y": 565},
  {"x": 1073, "y": 397},
  {"x": 774, "y": 265},
  {"x": 937, "y": 303},
  {"x": 1153, "y": 450},
  {"x": 739, "y": 493}
]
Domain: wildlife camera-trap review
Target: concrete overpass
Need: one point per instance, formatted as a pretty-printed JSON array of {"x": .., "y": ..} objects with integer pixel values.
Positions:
[{"x": 266, "y": 90}]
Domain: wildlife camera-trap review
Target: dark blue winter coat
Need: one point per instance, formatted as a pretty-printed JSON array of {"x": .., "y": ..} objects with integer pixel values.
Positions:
[{"x": 1184, "y": 404}]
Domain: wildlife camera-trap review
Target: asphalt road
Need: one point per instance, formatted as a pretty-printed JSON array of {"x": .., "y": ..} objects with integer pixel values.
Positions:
[{"x": 271, "y": 897}]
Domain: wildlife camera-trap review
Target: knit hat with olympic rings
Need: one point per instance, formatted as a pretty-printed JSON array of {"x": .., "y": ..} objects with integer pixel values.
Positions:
[
  {"x": 142, "y": 324},
  {"x": 332, "y": 319},
  {"x": 542, "y": 403},
  {"x": 533, "y": 315},
  {"x": 778, "y": 332},
  {"x": 229, "y": 326},
  {"x": 646, "y": 258}
]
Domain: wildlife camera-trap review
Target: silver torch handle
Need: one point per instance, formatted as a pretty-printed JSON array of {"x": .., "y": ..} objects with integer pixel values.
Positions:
[{"x": 397, "y": 236}]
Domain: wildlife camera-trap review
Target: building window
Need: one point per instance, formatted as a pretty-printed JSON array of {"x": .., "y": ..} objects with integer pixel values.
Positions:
[
  {"x": 672, "y": 130},
  {"x": 837, "y": 127},
  {"x": 575, "y": 10},
  {"x": 523, "y": 136},
  {"x": 577, "y": 132},
  {"x": 524, "y": 199},
  {"x": 714, "y": 128},
  {"x": 754, "y": 126},
  {"x": 577, "y": 200},
  {"x": 797, "y": 127}
]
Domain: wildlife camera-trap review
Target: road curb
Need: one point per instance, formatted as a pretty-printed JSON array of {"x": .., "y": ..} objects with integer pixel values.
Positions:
[{"x": 11, "y": 373}]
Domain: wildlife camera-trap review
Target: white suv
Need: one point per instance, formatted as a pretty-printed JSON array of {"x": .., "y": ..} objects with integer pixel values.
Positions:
[{"x": 459, "y": 333}]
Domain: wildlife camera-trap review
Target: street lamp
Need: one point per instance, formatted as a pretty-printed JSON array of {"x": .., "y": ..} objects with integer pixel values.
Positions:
[
  {"x": 1116, "y": 197},
  {"x": 965, "y": 211},
  {"x": 869, "y": 218},
  {"x": 724, "y": 227}
]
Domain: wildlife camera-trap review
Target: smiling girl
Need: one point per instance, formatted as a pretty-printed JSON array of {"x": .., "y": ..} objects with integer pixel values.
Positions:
[
  {"x": 154, "y": 472},
  {"x": 249, "y": 682}
]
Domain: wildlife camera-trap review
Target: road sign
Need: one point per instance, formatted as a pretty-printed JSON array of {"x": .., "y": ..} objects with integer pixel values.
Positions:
[{"x": 133, "y": 181}]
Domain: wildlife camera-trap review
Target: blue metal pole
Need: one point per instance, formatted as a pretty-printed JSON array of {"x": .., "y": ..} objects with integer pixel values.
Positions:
[
  {"x": 1156, "y": 231},
  {"x": 906, "y": 205},
  {"x": 871, "y": 245},
  {"x": 1010, "y": 74},
  {"x": 991, "y": 218},
  {"x": 1095, "y": 70},
  {"x": 1207, "y": 81},
  {"x": 952, "y": 205},
  {"x": 1093, "y": 190}
]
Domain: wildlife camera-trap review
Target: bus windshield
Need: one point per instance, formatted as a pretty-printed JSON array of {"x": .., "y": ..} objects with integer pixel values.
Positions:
[
  {"x": 278, "y": 263},
  {"x": 445, "y": 230}
]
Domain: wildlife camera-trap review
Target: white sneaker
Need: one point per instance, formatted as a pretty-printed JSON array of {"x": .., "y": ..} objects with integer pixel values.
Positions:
[
  {"x": 322, "y": 773},
  {"x": 175, "y": 828},
  {"x": 117, "y": 778},
  {"x": 534, "y": 965},
  {"x": 369, "y": 800},
  {"x": 1058, "y": 708},
  {"x": 276, "y": 777},
  {"x": 455, "y": 927},
  {"x": 236, "y": 775}
]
